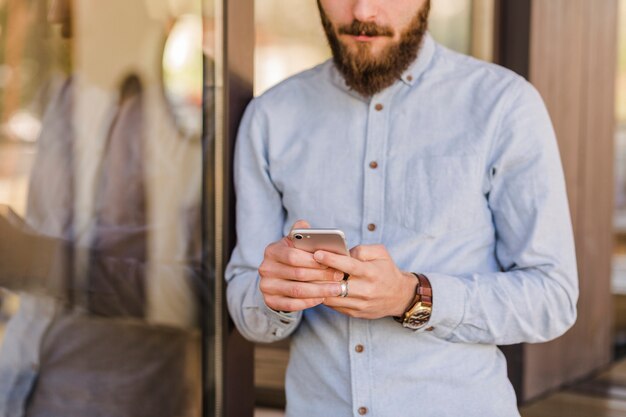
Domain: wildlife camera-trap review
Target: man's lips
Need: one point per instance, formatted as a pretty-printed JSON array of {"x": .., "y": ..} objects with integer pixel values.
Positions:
[{"x": 362, "y": 37}]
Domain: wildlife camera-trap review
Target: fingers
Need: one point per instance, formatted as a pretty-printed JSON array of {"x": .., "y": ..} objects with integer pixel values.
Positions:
[
  {"x": 357, "y": 313},
  {"x": 287, "y": 295},
  {"x": 280, "y": 303},
  {"x": 355, "y": 304},
  {"x": 360, "y": 294},
  {"x": 287, "y": 255},
  {"x": 350, "y": 307},
  {"x": 301, "y": 224},
  {"x": 369, "y": 252},
  {"x": 340, "y": 262},
  {"x": 278, "y": 270},
  {"x": 294, "y": 289},
  {"x": 348, "y": 302}
]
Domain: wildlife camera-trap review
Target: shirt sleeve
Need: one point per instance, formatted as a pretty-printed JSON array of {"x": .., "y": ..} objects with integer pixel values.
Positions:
[
  {"x": 260, "y": 221},
  {"x": 533, "y": 298}
]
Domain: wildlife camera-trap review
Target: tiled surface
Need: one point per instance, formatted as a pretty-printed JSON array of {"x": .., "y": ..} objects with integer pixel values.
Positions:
[
  {"x": 602, "y": 396},
  {"x": 267, "y": 412}
]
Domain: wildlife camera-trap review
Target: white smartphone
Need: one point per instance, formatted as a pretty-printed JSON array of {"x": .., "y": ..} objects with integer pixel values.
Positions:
[{"x": 311, "y": 240}]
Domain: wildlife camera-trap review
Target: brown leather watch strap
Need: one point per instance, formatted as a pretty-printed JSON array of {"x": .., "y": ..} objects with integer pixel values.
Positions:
[
  {"x": 423, "y": 294},
  {"x": 424, "y": 291}
]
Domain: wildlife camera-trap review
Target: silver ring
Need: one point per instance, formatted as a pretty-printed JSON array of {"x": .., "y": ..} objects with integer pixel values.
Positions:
[{"x": 344, "y": 288}]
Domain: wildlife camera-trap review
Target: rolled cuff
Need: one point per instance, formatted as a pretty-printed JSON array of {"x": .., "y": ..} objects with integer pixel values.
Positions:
[{"x": 449, "y": 295}]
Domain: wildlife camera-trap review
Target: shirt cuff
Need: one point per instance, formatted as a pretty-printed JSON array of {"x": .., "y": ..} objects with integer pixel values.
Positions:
[{"x": 448, "y": 304}]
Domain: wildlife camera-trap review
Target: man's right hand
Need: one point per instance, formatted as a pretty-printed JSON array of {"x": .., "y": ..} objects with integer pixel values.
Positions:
[{"x": 291, "y": 280}]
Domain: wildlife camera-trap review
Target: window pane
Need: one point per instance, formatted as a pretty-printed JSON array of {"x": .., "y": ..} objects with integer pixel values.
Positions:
[
  {"x": 621, "y": 69},
  {"x": 102, "y": 262},
  {"x": 620, "y": 154}
]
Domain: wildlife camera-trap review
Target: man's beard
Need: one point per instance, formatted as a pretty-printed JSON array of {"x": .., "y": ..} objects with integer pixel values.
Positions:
[{"x": 364, "y": 73}]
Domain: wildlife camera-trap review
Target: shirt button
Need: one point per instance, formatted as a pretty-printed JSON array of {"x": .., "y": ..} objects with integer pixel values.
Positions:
[
  {"x": 378, "y": 107},
  {"x": 373, "y": 164},
  {"x": 371, "y": 227},
  {"x": 362, "y": 410},
  {"x": 359, "y": 348},
  {"x": 410, "y": 78}
]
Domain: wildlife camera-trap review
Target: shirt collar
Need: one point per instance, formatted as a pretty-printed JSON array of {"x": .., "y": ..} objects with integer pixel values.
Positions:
[
  {"x": 410, "y": 75},
  {"x": 424, "y": 57}
]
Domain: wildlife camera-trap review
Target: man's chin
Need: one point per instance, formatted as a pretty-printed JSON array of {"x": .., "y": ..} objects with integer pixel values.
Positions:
[
  {"x": 373, "y": 48},
  {"x": 365, "y": 55}
]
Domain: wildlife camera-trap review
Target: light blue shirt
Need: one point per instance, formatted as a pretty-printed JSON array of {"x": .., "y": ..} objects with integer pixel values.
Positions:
[{"x": 469, "y": 190}]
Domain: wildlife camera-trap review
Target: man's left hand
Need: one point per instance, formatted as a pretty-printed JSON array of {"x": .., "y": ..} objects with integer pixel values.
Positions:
[{"x": 377, "y": 288}]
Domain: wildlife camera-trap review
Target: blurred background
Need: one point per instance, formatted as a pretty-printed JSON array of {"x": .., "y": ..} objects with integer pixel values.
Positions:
[{"x": 117, "y": 121}]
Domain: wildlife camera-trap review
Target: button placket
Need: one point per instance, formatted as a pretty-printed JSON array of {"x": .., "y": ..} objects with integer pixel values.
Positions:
[
  {"x": 360, "y": 366},
  {"x": 373, "y": 193}
]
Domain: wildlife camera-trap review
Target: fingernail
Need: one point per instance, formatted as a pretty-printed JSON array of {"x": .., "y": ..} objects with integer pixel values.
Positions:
[
  {"x": 318, "y": 256},
  {"x": 338, "y": 276}
]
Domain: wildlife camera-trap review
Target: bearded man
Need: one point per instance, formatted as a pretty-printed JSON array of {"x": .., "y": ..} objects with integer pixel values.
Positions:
[{"x": 444, "y": 174}]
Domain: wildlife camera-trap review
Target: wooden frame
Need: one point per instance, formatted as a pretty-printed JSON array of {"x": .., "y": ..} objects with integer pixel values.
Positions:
[
  {"x": 238, "y": 82},
  {"x": 228, "y": 364}
]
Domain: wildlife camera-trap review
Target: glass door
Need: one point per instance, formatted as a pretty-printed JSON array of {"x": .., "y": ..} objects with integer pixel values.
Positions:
[{"x": 111, "y": 193}]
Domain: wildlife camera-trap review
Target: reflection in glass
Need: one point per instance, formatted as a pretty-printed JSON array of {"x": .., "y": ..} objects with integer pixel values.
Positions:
[
  {"x": 100, "y": 208},
  {"x": 182, "y": 73},
  {"x": 620, "y": 138},
  {"x": 621, "y": 69}
]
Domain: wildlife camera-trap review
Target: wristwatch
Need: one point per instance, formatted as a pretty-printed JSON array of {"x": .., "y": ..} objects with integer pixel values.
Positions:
[{"x": 419, "y": 311}]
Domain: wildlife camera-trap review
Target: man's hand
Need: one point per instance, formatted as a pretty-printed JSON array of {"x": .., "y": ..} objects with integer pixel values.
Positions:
[
  {"x": 291, "y": 280},
  {"x": 377, "y": 288}
]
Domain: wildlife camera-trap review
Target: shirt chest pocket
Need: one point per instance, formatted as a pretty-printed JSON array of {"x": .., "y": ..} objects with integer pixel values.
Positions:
[{"x": 443, "y": 194}]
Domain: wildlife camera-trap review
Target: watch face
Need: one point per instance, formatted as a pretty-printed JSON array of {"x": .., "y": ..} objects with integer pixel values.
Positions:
[{"x": 418, "y": 318}]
